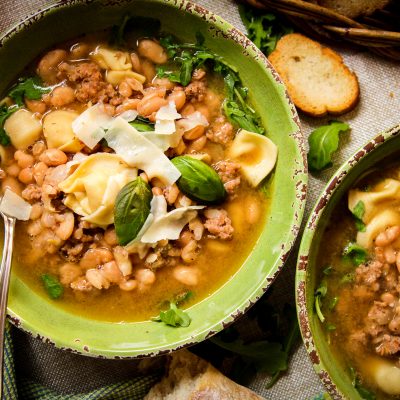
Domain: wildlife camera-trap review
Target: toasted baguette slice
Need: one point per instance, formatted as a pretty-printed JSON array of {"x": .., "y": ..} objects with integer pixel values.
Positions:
[
  {"x": 317, "y": 80},
  {"x": 354, "y": 8},
  {"x": 191, "y": 378}
]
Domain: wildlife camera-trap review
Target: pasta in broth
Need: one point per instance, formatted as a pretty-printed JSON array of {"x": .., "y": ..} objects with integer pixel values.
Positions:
[
  {"x": 132, "y": 176},
  {"x": 358, "y": 298}
]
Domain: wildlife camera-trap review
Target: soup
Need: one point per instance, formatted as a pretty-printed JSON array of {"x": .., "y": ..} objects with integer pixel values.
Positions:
[
  {"x": 358, "y": 296},
  {"x": 139, "y": 164}
]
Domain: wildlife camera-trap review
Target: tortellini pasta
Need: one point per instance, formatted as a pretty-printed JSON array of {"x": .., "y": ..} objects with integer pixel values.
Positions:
[
  {"x": 94, "y": 185},
  {"x": 57, "y": 129},
  {"x": 381, "y": 209},
  {"x": 255, "y": 153},
  {"x": 23, "y": 128},
  {"x": 112, "y": 59},
  {"x": 116, "y": 77}
]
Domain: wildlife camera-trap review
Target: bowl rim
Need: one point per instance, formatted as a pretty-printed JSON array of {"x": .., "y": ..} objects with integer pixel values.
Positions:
[
  {"x": 303, "y": 268},
  {"x": 300, "y": 177}
]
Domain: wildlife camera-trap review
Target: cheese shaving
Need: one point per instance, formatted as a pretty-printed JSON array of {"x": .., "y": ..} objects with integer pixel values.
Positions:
[
  {"x": 168, "y": 112},
  {"x": 90, "y": 126},
  {"x": 139, "y": 152},
  {"x": 192, "y": 120},
  {"x": 15, "y": 206}
]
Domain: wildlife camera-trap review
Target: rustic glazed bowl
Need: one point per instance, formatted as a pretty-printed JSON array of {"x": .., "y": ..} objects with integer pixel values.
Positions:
[
  {"x": 336, "y": 380},
  {"x": 68, "y": 19}
]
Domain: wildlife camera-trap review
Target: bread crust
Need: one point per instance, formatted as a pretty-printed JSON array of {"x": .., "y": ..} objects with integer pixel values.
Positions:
[
  {"x": 189, "y": 377},
  {"x": 316, "y": 77}
]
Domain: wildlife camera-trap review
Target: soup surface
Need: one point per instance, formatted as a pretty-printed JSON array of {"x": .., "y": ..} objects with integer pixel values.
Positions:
[
  {"x": 358, "y": 296},
  {"x": 138, "y": 183}
]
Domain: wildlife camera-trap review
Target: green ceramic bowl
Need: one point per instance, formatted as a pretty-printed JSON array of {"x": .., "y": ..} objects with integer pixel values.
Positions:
[
  {"x": 69, "y": 19},
  {"x": 336, "y": 380}
]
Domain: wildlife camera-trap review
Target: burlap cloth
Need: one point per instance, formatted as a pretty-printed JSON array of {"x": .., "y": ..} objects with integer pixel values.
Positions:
[{"x": 379, "y": 109}]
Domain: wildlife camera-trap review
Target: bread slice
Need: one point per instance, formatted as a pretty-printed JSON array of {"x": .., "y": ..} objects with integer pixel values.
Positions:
[
  {"x": 317, "y": 80},
  {"x": 189, "y": 377},
  {"x": 354, "y": 8}
]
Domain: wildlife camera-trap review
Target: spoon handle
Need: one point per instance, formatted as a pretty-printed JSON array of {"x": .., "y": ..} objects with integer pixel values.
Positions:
[{"x": 5, "y": 270}]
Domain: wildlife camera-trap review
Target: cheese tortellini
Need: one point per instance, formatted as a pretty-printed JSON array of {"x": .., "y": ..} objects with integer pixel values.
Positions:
[
  {"x": 381, "y": 209},
  {"x": 94, "y": 185},
  {"x": 255, "y": 153},
  {"x": 112, "y": 59}
]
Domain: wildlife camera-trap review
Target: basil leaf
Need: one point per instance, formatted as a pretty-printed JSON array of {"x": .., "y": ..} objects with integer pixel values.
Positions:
[
  {"x": 5, "y": 112},
  {"x": 198, "y": 180},
  {"x": 132, "y": 207},
  {"x": 142, "y": 124},
  {"x": 263, "y": 29},
  {"x": 52, "y": 285},
  {"x": 31, "y": 88},
  {"x": 355, "y": 253},
  {"x": 323, "y": 142}
]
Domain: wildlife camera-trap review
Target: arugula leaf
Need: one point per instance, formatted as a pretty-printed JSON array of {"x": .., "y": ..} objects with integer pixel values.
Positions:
[
  {"x": 187, "y": 57},
  {"x": 358, "y": 213},
  {"x": 5, "y": 112},
  {"x": 52, "y": 285},
  {"x": 142, "y": 124},
  {"x": 323, "y": 142},
  {"x": 263, "y": 29},
  {"x": 31, "y": 88},
  {"x": 174, "y": 316},
  {"x": 355, "y": 253},
  {"x": 320, "y": 293}
]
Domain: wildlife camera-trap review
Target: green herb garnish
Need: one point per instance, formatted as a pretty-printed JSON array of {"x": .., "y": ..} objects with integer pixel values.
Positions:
[
  {"x": 355, "y": 253},
  {"x": 187, "y": 57},
  {"x": 31, "y": 88},
  {"x": 320, "y": 293},
  {"x": 132, "y": 207},
  {"x": 52, "y": 285},
  {"x": 174, "y": 316},
  {"x": 5, "y": 112},
  {"x": 142, "y": 124},
  {"x": 263, "y": 29},
  {"x": 323, "y": 142},
  {"x": 348, "y": 278},
  {"x": 358, "y": 213},
  {"x": 198, "y": 180}
]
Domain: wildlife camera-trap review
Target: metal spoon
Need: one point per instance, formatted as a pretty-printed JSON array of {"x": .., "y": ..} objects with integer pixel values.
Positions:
[{"x": 5, "y": 270}]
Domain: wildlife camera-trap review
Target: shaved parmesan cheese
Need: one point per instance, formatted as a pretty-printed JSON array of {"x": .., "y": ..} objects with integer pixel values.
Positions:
[
  {"x": 170, "y": 225},
  {"x": 192, "y": 120},
  {"x": 164, "y": 126},
  {"x": 129, "y": 115},
  {"x": 165, "y": 119},
  {"x": 90, "y": 126},
  {"x": 256, "y": 155},
  {"x": 15, "y": 206},
  {"x": 168, "y": 112},
  {"x": 162, "y": 141},
  {"x": 139, "y": 152},
  {"x": 167, "y": 225}
]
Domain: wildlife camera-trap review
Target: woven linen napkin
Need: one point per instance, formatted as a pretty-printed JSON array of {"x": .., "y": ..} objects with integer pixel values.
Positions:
[{"x": 35, "y": 370}]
